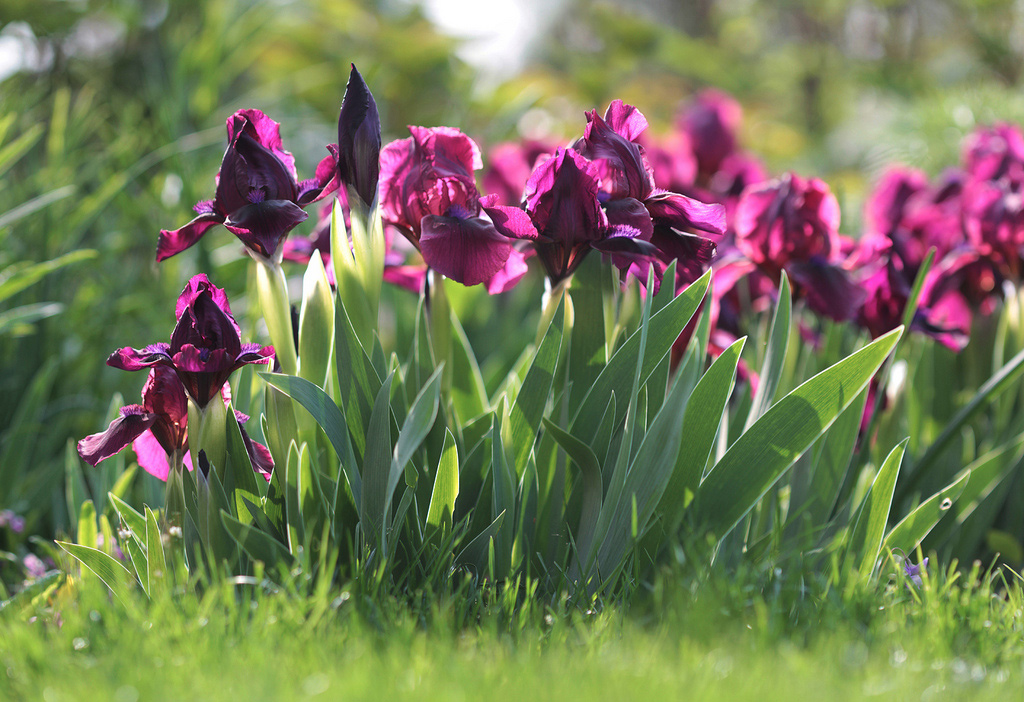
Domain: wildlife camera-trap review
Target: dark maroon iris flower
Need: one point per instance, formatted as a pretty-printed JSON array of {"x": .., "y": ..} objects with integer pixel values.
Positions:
[
  {"x": 428, "y": 193},
  {"x": 600, "y": 194},
  {"x": 792, "y": 224},
  {"x": 158, "y": 429},
  {"x": 258, "y": 197},
  {"x": 711, "y": 122},
  {"x": 205, "y": 347},
  {"x": 509, "y": 166}
]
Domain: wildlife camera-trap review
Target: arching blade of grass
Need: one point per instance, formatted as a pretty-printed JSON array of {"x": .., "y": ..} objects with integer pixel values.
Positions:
[{"x": 869, "y": 526}]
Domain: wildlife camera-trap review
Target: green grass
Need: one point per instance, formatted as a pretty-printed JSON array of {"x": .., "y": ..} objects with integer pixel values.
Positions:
[{"x": 744, "y": 638}]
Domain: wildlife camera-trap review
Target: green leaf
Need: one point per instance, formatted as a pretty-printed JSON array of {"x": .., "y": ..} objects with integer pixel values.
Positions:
[
  {"x": 760, "y": 455},
  {"x": 414, "y": 430},
  {"x": 446, "y": 486},
  {"x": 18, "y": 277},
  {"x": 617, "y": 376},
  {"x": 87, "y": 529},
  {"x": 528, "y": 409},
  {"x": 292, "y": 500},
  {"x": 156, "y": 564},
  {"x": 469, "y": 397},
  {"x": 591, "y": 284},
  {"x": 873, "y": 514},
  {"x": 503, "y": 497},
  {"x": 132, "y": 519},
  {"x": 1003, "y": 379},
  {"x": 256, "y": 544},
  {"x": 831, "y": 461},
  {"x": 475, "y": 552},
  {"x": 774, "y": 355},
  {"x": 617, "y": 483},
  {"x": 316, "y": 323},
  {"x": 377, "y": 470},
  {"x": 108, "y": 569},
  {"x": 912, "y": 529},
  {"x": 593, "y": 484},
  {"x": 987, "y": 473},
  {"x": 648, "y": 477},
  {"x": 358, "y": 382},
  {"x": 328, "y": 415},
  {"x": 238, "y": 471},
  {"x": 700, "y": 427},
  {"x": 74, "y": 482}
]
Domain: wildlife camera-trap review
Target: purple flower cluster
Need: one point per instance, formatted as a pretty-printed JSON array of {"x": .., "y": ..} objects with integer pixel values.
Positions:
[
  {"x": 258, "y": 195},
  {"x": 973, "y": 215},
  {"x": 204, "y": 350}
]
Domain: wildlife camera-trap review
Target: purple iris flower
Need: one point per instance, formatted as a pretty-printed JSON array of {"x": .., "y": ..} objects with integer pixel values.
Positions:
[
  {"x": 563, "y": 217},
  {"x": 158, "y": 429},
  {"x": 258, "y": 197},
  {"x": 990, "y": 152},
  {"x": 205, "y": 347},
  {"x": 792, "y": 224},
  {"x": 428, "y": 193},
  {"x": 509, "y": 166},
  {"x": 600, "y": 194},
  {"x": 711, "y": 122},
  {"x": 637, "y": 211}
]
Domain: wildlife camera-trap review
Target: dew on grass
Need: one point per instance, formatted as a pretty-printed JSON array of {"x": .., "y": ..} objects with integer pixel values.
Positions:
[{"x": 946, "y": 504}]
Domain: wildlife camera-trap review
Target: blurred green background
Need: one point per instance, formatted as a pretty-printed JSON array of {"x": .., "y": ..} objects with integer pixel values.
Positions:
[{"x": 112, "y": 126}]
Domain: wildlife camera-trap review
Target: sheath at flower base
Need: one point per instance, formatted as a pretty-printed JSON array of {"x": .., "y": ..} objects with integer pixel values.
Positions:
[
  {"x": 258, "y": 196},
  {"x": 428, "y": 193},
  {"x": 158, "y": 430},
  {"x": 205, "y": 347},
  {"x": 792, "y": 224}
]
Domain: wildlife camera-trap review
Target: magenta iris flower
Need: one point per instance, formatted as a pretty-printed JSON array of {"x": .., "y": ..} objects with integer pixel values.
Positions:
[
  {"x": 792, "y": 224},
  {"x": 600, "y": 195},
  {"x": 158, "y": 429},
  {"x": 428, "y": 193},
  {"x": 509, "y": 166},
  {"x": 711, "y": 122},
  {"x": 205, "y": 347},
  {"x": 258, "y": 196}
]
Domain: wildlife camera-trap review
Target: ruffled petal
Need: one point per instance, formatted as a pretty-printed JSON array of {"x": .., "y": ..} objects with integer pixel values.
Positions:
[
  {"x": 151, "y": 456},
  {"x": 513, "y": 222},
  {"x": 686, "y": 213},
  {"x": 510, "y": 274},
  {"x": 470, "y": 251},
  {"x": 827, "y": 289},
  {"x": 130, "y": 359},
  {"x": 629, "y": 215},
  {"x": 174, "y": 242},
  {"x": 134, "y": 420},
  {"x": 262, "y": 226}
]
